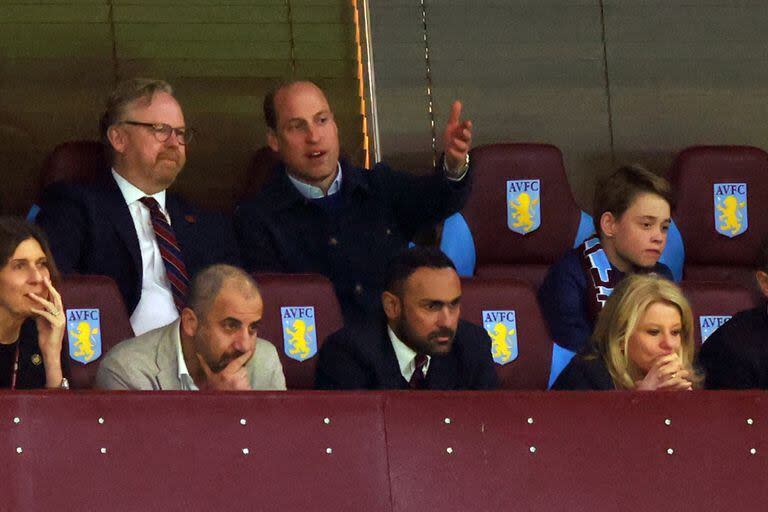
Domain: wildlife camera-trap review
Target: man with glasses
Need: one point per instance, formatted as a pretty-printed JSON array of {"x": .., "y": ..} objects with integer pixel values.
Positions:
[{"x": 125, "y": 224}]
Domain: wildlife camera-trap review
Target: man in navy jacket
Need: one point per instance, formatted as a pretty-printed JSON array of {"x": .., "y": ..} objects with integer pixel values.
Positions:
[
  {"x": 420, "y": 344},
  {"x": 324, "y": 216}
]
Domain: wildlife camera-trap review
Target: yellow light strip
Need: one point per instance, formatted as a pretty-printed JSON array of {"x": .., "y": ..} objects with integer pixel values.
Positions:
[{"x": 361, "y": 88}]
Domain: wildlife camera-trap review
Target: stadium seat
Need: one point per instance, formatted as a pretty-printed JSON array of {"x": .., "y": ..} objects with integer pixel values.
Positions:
[
  {"x": 508, "y": 310},
  {"x": 300, "y": 311},
  {"x": 713, "y": 303},
  {"x": 77, "y": 161},
  {"x": 484, "y": 240},
  {"x": 722, "y": 242},
  {"x": 260, "y": 170},
  {"x": 97, "y": 320}
]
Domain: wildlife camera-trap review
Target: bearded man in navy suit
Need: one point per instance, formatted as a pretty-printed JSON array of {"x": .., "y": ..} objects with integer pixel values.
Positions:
[{"x": 420, "y": 342}]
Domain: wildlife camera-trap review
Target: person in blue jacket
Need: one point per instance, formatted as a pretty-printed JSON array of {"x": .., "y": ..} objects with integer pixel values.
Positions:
[{"x": 632, "y": 214}]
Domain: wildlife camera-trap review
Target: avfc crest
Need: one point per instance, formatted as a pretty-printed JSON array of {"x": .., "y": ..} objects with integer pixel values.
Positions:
[
  {"x": 523, "y": 205},
  {"x": 731, "y": 208},
  {"x": 502, "y": 328},
  {"x": 84, "y": 334},
  {"x": 709, "y": 324},
  {"x": 299, "y": 332}
]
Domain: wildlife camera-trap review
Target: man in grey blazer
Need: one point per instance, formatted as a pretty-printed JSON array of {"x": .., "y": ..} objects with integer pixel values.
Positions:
[{"x": 212, "y": 346}]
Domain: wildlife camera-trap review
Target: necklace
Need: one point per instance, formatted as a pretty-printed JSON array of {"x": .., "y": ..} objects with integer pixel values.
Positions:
[{"x": 15, "y": 372}]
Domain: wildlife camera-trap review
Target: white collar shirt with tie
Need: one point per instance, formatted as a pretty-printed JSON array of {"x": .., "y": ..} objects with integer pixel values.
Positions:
[
  {"x": 406, "y": 356},
  {"x": 156, "y": 307}
]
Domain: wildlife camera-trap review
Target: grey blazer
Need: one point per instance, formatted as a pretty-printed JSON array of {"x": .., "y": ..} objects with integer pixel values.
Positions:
[{"x": 149, "y": 362}]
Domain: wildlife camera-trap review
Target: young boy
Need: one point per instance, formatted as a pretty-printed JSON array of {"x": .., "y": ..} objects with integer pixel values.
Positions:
[{"x": 632, "y": 213}]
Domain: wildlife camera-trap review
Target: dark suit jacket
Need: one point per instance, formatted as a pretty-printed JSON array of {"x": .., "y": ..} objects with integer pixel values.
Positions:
[
  {"x": 585, "y": 372},
  {"x": 362, "y": 357},
  {"x": 735, "y": 356},
  {"x": 91, "y": 231}
]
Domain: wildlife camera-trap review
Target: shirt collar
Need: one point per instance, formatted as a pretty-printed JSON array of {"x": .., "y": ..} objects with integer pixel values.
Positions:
[
  {"x": 131, "y": 193},
  {"x": 405, "y": 356},
  {"x": 187, "y": 382},
  {"x": 313, "y": 192}
]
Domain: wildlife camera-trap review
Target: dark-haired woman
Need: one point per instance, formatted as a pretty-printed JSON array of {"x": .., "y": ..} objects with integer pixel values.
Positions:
[{"x": 32, "y": 320}]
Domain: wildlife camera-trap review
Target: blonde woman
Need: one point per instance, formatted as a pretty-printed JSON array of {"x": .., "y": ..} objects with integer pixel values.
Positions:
[{"x": 643, "y": 340}]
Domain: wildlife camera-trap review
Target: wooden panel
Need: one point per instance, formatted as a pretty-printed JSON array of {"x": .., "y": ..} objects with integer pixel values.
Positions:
[
  {"x": 57, "y": 60},
  {"x": 46, "y": 94},
  {"x": 526, "y": 72},
  {"x": 222, "y": 12},
  {"x": 38, "y": 12},
  {"x": 398, "y": 42},
  {"x": 686, "y": 74}
]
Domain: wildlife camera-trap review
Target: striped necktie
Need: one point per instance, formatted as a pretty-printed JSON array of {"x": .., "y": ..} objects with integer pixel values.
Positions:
[
  {"x": 418, "y": 380},
  {"x": 170, "y": 252}
]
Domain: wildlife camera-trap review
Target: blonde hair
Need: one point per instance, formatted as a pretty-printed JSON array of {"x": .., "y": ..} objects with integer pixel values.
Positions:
[{"x": 619, "y": 318}]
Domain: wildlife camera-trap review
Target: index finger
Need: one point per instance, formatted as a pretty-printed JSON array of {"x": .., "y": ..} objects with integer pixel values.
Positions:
[
  {"x": 662, "y": 361},
  {"x": 55, "y": 296},
  {"x": 238, "y": 362},
  {"x": 455, "y": 113},
  {"x": 204, "y": 365}
]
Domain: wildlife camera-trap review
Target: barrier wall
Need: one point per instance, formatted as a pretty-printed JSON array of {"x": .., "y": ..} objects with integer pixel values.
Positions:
[{"x": 393, "y": 451}]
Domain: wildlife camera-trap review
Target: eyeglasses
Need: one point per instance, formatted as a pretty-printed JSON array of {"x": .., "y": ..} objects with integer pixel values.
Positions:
[{"x": 163, "y": 131}]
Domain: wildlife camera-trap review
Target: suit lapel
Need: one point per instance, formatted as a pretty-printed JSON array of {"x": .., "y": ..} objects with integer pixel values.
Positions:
[
  {"x": 114, "y": 207},
  {"x": 167, "y": 364},
  {"x": 179, "y": 217},
  {"x": 442, "y": 370},
  {"x": 391, "y": 378}
]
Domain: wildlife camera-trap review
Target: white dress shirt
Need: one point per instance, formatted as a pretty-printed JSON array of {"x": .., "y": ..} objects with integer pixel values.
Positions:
[
  {"x": 156, "y": 307},
  {"x": 406, "y": 356},
  {"x": 187, "y": 382}
]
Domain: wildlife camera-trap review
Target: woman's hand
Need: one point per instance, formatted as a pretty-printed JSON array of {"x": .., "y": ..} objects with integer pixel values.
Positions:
[
  {"x": 666, "y": 373},
  {"x": 50, "y": 332}
]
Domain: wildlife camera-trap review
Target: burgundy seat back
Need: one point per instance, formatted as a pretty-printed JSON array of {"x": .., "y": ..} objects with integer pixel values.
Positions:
[
  {"x": 260, "y": 171},
  {"x": 500, "y": 251},
  {"x": 75, "y": 161},
  {"x": 712, "y": 301},
  {"x": 95, "y": 302},
  {"x": 305, "y": 298},
  {"x": 710, "y": 255},
  {"x": 494, "y": 302}
]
